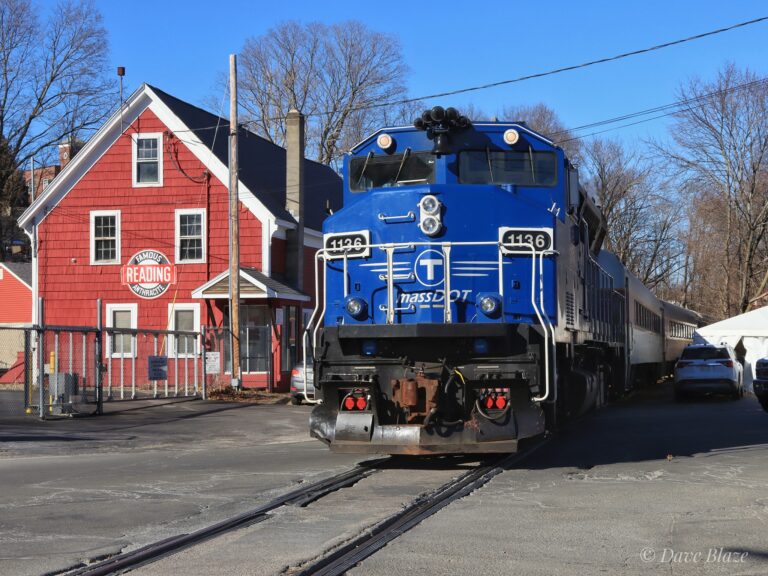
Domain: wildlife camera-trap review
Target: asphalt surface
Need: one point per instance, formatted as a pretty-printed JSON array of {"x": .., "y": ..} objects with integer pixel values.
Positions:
[
  {"x": 85, "y": 488},
  {"x": 643, "y": 487}
]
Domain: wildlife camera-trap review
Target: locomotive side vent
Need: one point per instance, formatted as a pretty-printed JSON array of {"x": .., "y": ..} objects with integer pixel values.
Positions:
[{"x": 570, "y": 308}]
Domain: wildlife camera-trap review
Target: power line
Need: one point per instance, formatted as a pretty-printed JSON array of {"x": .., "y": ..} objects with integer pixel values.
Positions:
[
  {"x": 556, "y": 70},
  {"x": 667, "y": 110},
  {"x": 520, "y": 78}
]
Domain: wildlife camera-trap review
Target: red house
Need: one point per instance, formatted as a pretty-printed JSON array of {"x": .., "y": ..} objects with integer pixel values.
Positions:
[
  {"x": 150, "y": 187},
  {"x": 15, "y": 311}
]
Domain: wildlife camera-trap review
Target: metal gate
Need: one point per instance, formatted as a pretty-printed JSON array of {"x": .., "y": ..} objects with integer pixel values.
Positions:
[{"x": 73, "y": 370}]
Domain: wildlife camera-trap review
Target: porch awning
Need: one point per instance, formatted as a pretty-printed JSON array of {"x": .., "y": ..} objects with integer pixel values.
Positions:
[{"x": 253, "y": 284}]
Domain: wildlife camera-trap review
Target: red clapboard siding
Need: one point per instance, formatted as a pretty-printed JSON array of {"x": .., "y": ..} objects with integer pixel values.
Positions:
[
  {"x": 70, "y": 285},
  {"x": 16, "y": 299}
]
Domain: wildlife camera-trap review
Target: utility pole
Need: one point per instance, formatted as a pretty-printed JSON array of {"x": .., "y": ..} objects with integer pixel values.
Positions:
[{"x": 234, "y": 227}]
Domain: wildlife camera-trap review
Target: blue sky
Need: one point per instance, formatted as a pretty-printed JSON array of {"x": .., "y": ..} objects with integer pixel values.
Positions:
[{"x": 183, "y": 47}]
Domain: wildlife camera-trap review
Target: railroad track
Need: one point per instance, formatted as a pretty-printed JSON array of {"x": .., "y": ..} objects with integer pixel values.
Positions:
[
  {"x": 300, "y": 497},
  {"x": 339, "y": 560},
  {"x": 357, "y": 550}
]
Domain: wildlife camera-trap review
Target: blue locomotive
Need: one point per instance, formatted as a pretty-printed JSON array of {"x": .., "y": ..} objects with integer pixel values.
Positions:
[{"x": 467, "y": 304}]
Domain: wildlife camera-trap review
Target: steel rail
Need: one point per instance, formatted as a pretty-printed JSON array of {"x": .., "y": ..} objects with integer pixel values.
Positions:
[
  {"x": 351, "y": 554},
  {"x": 152, "y": 552}
]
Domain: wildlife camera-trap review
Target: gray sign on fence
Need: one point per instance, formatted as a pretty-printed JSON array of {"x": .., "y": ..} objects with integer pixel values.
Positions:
[
  {"x": 212, "y": 362},
  {"x": 158, "y": 367}
]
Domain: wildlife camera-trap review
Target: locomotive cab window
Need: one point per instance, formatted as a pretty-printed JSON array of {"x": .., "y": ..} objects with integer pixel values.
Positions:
[
  {"x": 366, "y": 172},
  {"x": 521, "y": 168}
]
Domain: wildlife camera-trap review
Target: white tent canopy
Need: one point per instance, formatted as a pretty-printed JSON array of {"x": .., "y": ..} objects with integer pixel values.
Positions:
[{"x": 750, "y": 328}]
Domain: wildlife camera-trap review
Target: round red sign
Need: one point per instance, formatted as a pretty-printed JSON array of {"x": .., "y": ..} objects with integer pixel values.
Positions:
[{"x": 148, "y": 274}]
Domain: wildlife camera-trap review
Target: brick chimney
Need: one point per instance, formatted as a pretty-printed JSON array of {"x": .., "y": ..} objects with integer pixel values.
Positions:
[
  {"x": 66, "y": 151},
  {"x": 294, "y": 197}
]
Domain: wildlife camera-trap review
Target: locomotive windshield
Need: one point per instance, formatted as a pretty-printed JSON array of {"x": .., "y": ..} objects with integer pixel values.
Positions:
[
  {"x": 366, "y": 172},
  {"x": 528, "y": 168}
]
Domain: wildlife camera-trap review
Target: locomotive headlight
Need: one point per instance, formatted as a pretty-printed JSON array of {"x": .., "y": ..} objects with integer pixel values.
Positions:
[
  {"x": 511, "y": 136},
  {"x": 430, "y": 205},
  {"x": 489, "y": 305},
  {"x": 430, "y": 225},
  {"x": 356, "y": 307},
  {"x": 385, "y": 141}
]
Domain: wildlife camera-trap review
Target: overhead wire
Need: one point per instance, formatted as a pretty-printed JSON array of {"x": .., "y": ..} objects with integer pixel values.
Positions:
[{"x": 666, "y": 110}]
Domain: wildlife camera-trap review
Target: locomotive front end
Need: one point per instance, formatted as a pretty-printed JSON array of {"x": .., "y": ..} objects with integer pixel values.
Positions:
[{"x": 436, "y": 329}]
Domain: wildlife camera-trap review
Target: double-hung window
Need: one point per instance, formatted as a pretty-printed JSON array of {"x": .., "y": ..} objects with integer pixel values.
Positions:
[
  {"x": 190, "y": 236},
  {"x": 121, "y": 317},
  {"x": 105, "y": 237},
  {"x": 184, "y": 318},
  {"x": 147, "y": 159}
]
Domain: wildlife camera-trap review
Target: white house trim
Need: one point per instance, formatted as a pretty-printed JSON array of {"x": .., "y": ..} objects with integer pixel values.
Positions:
[{"x": 206, "y": 156}]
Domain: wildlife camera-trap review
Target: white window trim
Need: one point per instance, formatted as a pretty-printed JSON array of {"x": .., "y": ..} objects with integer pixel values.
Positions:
[
  {"x": 118, "y": 231},
  {"x": 134, "y": 310},
  {"x": 176, "y": 307},
  {"x": 177, "y": 240},
  {"x": 134, "y": 157}
]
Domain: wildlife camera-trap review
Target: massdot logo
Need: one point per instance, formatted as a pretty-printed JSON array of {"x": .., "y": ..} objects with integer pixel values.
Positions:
[{"x": 429, "y": 268}]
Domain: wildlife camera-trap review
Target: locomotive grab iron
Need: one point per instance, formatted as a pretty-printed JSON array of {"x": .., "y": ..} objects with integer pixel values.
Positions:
[{"x": 466, "y": 301}]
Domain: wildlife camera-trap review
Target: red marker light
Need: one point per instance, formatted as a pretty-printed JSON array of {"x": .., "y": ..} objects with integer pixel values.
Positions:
[
  {"x": 728, "y": 363},
  {"x": 349, "y": 403},
  {"x": 489, "y": 402},
  {"x": 501, "y": 402},
  {"x": 362, "y": 403}
]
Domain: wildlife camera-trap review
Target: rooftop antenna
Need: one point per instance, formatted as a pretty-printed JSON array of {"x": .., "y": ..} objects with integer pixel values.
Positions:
[{"x": 121, "y": 73}]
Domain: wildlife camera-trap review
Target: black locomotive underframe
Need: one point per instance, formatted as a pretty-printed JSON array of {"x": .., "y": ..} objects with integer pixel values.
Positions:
[{"x": 513, "y": 361}]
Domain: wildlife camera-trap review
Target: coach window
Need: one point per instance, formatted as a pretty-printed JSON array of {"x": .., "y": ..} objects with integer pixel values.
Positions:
[
  {"x": 190, "y": 236},
  {"x": 105, "y": 237},
  {"x": 184, "y": 318},
  {"x": 121, "y": 317},
  {"x": 147, "y": 159}
]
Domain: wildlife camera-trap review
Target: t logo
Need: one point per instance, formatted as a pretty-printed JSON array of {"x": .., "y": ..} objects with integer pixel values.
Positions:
[{"x": 426, "y": 265}]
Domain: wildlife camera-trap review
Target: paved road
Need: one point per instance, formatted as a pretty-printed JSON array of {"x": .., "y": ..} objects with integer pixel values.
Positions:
[
  {"x": 630, "y": 490},
  {"x": 647, "y": 486},
  {"x": 77, "y": 489}
]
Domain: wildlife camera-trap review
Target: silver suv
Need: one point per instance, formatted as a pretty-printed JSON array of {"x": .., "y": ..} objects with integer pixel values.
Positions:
[
  {"x": 707, "y": 369},
  {"x": 297, "y": 383}
]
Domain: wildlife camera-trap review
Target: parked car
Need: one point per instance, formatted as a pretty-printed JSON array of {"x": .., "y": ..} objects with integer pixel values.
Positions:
[
  {"x": 707, "y": 369},
  {"x": 760, "y": 383},
  {"x": 297, "y": 383}
]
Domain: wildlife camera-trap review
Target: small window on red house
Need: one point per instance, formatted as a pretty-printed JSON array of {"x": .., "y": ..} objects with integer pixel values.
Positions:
[
  {"x": 105, "y": 237},
  {"x": 147, "y": 159},
  {"x": 190, "y": 236}
]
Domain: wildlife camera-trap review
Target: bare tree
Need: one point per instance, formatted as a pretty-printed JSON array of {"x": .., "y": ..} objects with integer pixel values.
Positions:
[
  {"x": 722, "y": 147},
  {"x": 52, "y": 75},
  {"x": 644, "y": 220},
  {"x": 327, "y": 72},
  {"x": 545, "y": 120}
]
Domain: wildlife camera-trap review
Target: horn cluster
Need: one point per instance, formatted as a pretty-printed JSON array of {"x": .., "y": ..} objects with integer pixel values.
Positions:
[{"x": 438, "y": 122}]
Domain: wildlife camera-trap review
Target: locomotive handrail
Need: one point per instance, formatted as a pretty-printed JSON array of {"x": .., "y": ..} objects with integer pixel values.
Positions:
[
  {"x": 409, "y": 217},
  {"x": 391, "y": 309}
]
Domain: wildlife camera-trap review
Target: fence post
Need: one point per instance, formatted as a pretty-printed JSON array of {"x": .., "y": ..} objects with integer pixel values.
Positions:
[
  {"x": 41, "y": 357},
  {"x": 27, "y": 373},
  {"x": 97, "y": 371},
  {"x": 203, "y": 349}
]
